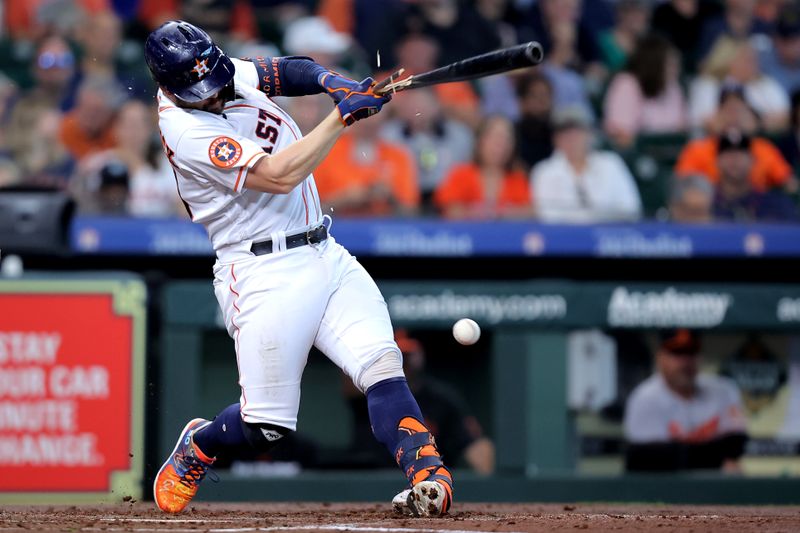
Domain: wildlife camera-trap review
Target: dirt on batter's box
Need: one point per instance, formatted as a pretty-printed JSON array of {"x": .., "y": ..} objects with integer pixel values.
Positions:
[{"x": 377, "y": 518}]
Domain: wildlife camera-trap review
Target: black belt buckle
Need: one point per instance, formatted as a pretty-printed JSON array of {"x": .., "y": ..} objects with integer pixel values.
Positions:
[{"x": 317, "y": 235}]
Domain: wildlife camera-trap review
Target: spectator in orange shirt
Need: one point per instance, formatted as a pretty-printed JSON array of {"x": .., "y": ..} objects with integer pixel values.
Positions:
[
  {"x": 490, "y": 186},
  {"x": 769, "y": 169},
  {"x": 88, "y": 127},
  {"x": 365, "y": 175}
]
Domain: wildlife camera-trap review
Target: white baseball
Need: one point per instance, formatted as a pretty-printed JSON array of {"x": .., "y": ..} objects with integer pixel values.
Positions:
[{"x": 466, "y": 331}]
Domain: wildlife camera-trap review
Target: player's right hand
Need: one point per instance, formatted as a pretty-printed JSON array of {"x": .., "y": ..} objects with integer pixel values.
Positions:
[{"x": 361, "y": 102}]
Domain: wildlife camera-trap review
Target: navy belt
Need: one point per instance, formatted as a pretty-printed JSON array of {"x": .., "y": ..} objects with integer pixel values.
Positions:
[{"x": 312, "y": 236}]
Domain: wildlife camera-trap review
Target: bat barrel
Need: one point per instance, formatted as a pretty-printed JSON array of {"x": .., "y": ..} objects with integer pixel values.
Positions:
[{"x": 504, "y": 60}]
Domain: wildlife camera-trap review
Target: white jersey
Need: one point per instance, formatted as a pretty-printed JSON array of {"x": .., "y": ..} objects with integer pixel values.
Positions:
[
  {"x": 211, "y": 155},
  {"x": 656, "y": 414}
]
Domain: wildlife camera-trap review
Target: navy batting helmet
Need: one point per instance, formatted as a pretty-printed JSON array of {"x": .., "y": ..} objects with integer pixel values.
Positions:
[{"x": 184, "y": 60}]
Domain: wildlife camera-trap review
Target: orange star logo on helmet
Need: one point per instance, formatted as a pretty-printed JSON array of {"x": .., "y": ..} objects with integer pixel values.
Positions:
[
  {"x": 224, "y": 152},
  {"x": 201, "y": 68}
]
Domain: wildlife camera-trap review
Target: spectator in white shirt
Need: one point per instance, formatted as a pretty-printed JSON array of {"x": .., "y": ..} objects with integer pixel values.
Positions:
[{"x": 578, "y": 184}]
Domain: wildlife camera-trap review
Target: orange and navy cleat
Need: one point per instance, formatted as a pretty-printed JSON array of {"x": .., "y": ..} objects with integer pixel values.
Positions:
[
  {"x": 430, "y": 490},
  {"x": 180, "y": 476}
]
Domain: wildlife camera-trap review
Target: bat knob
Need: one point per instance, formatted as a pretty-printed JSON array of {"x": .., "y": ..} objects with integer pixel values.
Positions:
[{"x": 535, "y": 52}]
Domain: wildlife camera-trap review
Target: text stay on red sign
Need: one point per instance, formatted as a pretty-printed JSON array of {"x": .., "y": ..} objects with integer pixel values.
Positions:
[{"x": 68, "y": 369}]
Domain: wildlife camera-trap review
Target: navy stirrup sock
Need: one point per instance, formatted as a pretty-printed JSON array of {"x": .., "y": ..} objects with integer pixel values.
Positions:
[
  {"x": 224, "y": 434},
  {"x": 389, "y": 401},
  {"x": 397, "y": 422}
]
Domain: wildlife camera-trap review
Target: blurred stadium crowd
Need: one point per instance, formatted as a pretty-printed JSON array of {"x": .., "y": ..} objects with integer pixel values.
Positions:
[{"x": 687, "y": 110}]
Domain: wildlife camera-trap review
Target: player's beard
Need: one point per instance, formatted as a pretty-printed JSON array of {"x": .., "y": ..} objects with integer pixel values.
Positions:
[{"x": 216, "y": 104}]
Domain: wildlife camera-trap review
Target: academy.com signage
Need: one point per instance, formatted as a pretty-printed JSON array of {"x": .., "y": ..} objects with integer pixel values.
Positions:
[
  {"x": 565, "y": 304},
  {"x": 70, "y": 375},
  {"x": 491, "y": 309},
  {"x": 667, "y": 308}
]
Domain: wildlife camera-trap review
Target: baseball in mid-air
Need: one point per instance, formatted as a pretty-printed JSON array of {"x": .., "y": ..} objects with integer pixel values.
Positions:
[{"x": 466, "y": 331}]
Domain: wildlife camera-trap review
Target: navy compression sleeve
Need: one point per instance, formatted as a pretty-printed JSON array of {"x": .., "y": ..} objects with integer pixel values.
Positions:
[{"x": 288, "y": 76}]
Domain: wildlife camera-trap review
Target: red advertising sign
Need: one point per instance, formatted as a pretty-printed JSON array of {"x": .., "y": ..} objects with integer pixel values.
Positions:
[{"x": 67, "y": 368}]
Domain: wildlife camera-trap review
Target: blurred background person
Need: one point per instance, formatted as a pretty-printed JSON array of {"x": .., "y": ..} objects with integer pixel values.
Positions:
[
  {"x": 107, "y": 191},
  {"x": 33, "y": 19},
  {"x": 150, "y": 184},
  {"x": 682, "y": 22},
  {"x": 34, "y": 143},
  {"x": 699, "y": 156},
  {"x": 9, "y": 97},
  {"x": 314, "y": 37},
  {"x": 419, "y": 52},
  {"x": 9, "y": 173},
  {"x": 691, "y": 200},
  {"x": 498, "y": 14},
  {"x": 457, "y": 27},
  {"x": 459, "y": 436},
  {"x": 768, "y": 10},
  {"x": 558, "y": 25},
  {"x": 737, "y": 21},
  {"x": 492, "y": 186},
  {"x": 736, "y": 198},
  {"x": 436, "y": 142},
  {"x": 104, "y": 54},
  {"x": 789, "y": 144},
  {"x": 88, "y": 128},
  {"x": 781, "y": 58},
  {"x": 53, "y": 71},
  {"x": 225, "y": 20},
  {"x": 534, "y": 126},
  {"x": 647, "y": 97},
  {"x": 736, "y": 62},
  {"x": 578, "y": 184},
  {"x": 562, "y": 62},
  {"x": 680, "y": 419},
  {"x": 618, "y": 43},
  {"x": 365, "y": 175}
]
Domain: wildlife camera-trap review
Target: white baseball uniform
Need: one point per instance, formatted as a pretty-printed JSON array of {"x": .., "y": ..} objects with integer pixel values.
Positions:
[{"x": 276, "y": 306}]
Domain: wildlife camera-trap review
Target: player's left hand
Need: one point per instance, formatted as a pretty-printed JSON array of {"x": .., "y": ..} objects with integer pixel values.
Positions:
[
  {"x": 337, "y": 86},
  {"x": 361, "y": 102}
]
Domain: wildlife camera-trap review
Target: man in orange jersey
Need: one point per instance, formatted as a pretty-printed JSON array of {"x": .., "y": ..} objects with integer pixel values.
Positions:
[{"x": 769, "y": 170}]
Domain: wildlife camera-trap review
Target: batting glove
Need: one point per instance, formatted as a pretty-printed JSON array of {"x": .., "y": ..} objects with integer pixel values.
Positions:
[
  {"x": 337, "y": 86},
  {"x": 361, "y": 102}
]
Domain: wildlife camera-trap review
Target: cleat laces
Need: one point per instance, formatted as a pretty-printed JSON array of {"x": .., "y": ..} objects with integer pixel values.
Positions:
[{"x": 194, "y": 470}]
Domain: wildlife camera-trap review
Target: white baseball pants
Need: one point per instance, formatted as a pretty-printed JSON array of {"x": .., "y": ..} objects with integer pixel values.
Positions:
[{"x": 276, "y": 306}]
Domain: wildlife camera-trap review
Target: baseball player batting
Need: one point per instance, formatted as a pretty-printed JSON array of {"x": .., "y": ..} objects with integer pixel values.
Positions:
[{"x": 243, "y": 170}]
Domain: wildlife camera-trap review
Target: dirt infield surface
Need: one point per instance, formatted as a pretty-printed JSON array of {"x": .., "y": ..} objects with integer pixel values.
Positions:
[{"x": 373, "y": 518}]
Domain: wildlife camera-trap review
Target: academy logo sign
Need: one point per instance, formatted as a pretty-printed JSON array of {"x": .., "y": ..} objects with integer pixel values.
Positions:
[
  {"x": 485, "y": 308},
  {"x": 667, "y": 308}
]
